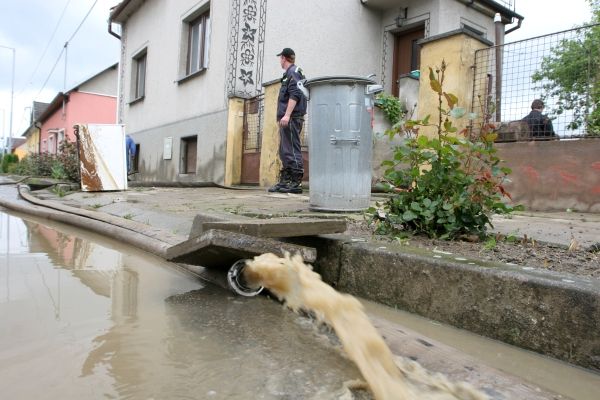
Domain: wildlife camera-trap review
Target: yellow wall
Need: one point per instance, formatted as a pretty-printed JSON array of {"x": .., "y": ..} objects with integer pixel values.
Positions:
[
  {"x": 459, "y": 53},
  {"x": 21, "y": 151},
  {"x": 269, "y": 154},
  {"x": 33, "y": 141},
  {"x": 235, "y": 133}
]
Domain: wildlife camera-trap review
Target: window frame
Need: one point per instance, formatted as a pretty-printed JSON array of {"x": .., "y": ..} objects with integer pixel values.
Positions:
[
  {"x": 60, "y": 138},
  {"x": 139, "y": 69},
  {"x": 185, "y": 161},
  {"x": 52, "y": 141},
  {"x": 196, "y": 34},
  {"x": 201, "y": 47}
]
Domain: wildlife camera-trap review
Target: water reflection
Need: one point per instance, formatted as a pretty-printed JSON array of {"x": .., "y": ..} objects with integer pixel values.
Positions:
[{"x": 91, "y": 319}]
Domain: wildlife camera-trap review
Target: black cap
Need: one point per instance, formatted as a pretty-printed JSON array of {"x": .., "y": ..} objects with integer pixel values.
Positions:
[{"x": 287, "y": 52}]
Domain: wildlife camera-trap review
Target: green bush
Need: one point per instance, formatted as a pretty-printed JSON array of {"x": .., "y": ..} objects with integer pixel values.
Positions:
[
  {"x": 8, "y": 162},
  {"x": 61, "y": 166},
  {"x": 447, "y": 185},
  {"x": 391, "y": 107}
]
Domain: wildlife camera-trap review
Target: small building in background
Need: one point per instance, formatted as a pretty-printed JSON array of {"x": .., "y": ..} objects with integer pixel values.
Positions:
[
  {"x": 32, "y": 133},
  {"x": 92, "y": 101}
]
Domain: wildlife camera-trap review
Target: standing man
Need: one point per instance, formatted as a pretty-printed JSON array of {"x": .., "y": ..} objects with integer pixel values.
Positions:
[
  {"x": 130, "y": 153},
  {"x": 291, "y": 107},
  {"x": 540, "y": 126}
]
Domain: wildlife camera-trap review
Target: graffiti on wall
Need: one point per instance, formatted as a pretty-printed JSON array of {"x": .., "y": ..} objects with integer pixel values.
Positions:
[{"x": 555, "y": 176}]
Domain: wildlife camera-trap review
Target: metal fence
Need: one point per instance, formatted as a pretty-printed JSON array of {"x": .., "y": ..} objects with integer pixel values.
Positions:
[
  {"x": 560, "y": 69},
  {"x": 510, "y": 4},
  {"x": 253, "y": 124}
]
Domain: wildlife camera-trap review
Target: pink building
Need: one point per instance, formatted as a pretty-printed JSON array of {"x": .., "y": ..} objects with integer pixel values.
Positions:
[{"x": 92, "y": 101}]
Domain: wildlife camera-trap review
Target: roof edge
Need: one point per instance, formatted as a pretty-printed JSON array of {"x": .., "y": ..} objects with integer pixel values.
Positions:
[
  {"x": 121, "y": 12},
  {"x": 54, "y": 105}
]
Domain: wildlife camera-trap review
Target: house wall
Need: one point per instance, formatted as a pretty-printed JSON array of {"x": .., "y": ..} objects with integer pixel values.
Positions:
[
  {"x": 105, "y": 83},
  {"x": 457, "y": 50},
  {"x": 245, "y": 37},
  {"x": 197, "y": 106},
  {"x": 33, "y": 140},
  {"x": 21, "y": 151},
  {"x": 348, "y": 43},
  {"x": 437, "y": 16},
  {"x": 82, "y": 108}
]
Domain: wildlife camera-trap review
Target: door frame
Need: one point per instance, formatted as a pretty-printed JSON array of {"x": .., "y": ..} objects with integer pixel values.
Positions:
[{"x": 402, "y": 39}]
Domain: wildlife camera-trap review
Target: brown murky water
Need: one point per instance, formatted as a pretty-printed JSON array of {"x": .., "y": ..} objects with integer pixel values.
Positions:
[{"x": 82, "y": 317}]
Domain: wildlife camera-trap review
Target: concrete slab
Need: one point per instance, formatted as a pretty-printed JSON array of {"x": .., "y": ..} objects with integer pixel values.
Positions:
[
  {"x": 198, "y": 226},
  {"x": 280, "y": 227},
  {"x": 265, "y": 227},
  {"x": 220, "y": 249}
]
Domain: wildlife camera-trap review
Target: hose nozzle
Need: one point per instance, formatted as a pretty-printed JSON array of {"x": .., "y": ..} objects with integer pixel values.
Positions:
[{"x": 237, "y": 283}]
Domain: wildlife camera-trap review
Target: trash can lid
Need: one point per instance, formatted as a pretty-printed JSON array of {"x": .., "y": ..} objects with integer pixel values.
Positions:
[{"x": 339, "y": 79}]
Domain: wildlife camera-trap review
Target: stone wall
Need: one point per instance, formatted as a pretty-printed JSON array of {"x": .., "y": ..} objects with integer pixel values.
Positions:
[{"x": 554, "y": 175}]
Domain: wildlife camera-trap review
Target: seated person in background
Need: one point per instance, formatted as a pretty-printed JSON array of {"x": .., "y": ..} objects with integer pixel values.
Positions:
[{"x": 540, "y": 126}]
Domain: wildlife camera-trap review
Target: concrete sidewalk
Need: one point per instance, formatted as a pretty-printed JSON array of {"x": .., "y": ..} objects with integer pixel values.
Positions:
[{"x": 174, "y": 209}]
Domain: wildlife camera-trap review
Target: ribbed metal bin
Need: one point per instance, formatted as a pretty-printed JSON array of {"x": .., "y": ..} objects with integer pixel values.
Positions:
[{"x": 340, "y": 142}]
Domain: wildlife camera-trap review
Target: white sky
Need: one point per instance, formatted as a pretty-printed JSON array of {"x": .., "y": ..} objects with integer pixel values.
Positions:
[{"x": 28, "y": 26}]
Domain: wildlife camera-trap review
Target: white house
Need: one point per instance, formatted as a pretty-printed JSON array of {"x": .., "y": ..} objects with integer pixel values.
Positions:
[{"x": 182, "y": 62}]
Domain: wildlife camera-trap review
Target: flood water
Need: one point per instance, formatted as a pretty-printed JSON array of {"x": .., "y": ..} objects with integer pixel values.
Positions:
[{"x": 83, "y": 317}]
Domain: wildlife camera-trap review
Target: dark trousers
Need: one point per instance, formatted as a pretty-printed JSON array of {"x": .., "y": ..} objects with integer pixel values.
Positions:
[{"x": 290, "y": 147}]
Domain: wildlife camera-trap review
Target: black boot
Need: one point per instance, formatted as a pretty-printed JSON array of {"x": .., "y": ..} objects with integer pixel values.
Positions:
[
  {"x": 284, "y": 178},
  {"x": 295, "y": 183}
]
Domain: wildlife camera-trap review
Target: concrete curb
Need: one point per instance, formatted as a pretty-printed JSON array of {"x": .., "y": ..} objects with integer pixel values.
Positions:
[
  {"x": 124, "y": 231},
  {"x": 550, "y": 313}
]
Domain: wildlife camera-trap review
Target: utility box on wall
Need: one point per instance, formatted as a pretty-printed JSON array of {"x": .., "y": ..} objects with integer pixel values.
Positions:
[{"x": 102, "y": 157}]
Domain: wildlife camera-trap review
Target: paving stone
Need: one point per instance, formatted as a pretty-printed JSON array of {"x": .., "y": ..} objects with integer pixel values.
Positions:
[
  {"x": 220, "y": 249},
  {"x": 272, "y": 227},
  {"x": 280, "y": 227}
]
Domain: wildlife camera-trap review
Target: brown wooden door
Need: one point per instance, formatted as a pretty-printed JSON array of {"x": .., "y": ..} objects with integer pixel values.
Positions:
[
  {"x": 252, "y": 137},
  {"x": 407, "y": 54}
]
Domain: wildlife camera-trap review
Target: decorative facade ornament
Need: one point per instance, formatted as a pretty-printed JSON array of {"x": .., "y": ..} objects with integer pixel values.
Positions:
[{"x": 246, "y": 47}]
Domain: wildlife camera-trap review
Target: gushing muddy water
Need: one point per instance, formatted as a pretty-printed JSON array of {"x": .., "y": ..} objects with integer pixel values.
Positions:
[
  {"x": 301, "y": 288},
  {"x": 84, "y": 317}
]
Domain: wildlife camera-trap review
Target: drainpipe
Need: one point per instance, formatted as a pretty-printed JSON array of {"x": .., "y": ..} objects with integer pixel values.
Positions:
[
  {"x": 498, "y": 46},
  {"x": 514, "y": 28},
  {"x": 111, "y": 31},
  {"x": 38, "y": 125},
  {"x": 119, "y": 69}
]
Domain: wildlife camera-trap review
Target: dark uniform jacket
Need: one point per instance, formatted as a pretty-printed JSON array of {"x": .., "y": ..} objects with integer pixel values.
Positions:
[
  {"x": 289, "y": 90},
  {"x": 539, "y": 125}
]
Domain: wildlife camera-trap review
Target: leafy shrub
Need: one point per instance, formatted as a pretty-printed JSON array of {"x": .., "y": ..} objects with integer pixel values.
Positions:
[
  {"x": 8, "y": 162},
  {"x": 58, "y": 172},
  {"x": 447, "y": 185},
  {"x": 62, "y": 166},
  {"x": 69, "y": 159},
  {"x": 391, "y": 107}
]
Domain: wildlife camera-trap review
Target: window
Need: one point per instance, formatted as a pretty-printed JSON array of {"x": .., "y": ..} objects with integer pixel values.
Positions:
[
  {"x": 198, "y": 43},
  {"x": 61, "y": 138},
  {"x": 136, "y": 158},
  {"x": 139, "y": 76},
  {"x": 474, "y": 31},
  {"x": 52, "y": 142},
  {"x": 188, "y": 155}
]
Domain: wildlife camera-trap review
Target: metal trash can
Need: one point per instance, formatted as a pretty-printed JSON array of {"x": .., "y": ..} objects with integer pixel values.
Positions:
[{"x": 340, "y": 144}]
